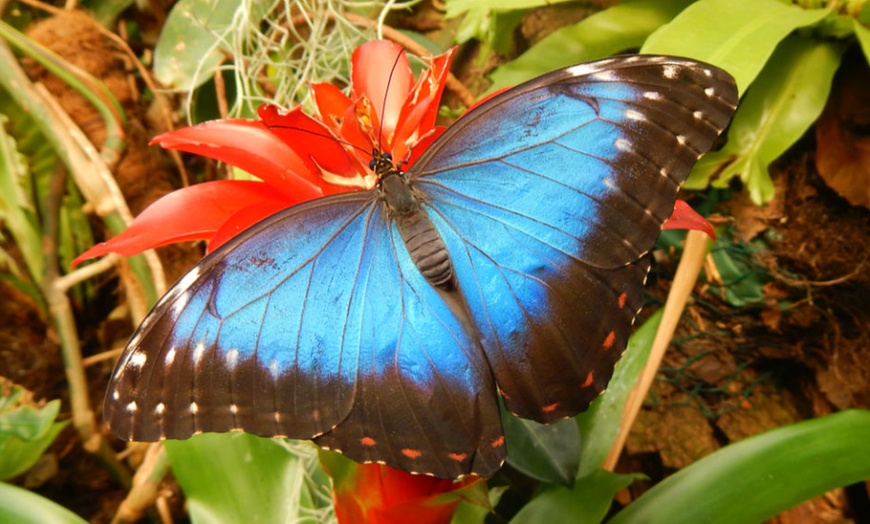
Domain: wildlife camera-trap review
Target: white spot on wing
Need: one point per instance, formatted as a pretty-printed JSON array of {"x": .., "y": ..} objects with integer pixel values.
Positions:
[
  {"x": 170, "y": 357},
  {"x": 160, "y": 408},
  {"x": 670, "y": 72},
  {"x": 232, "y": 359},
  {"x": 604, "y": 76},
  {"x": 116, "y": 395},
  {"x": 274, "y": 370},
  {"x": 198, "y": 352},
  {"x": 132, "y": 407},
  {"x": 194, "y": 409},
  {"x": 622, "y": 145},
  {"x": 681, "y": 140},
  {"x": 631, "y": 114},
  {"x": 652, "y": 95},
  {"x": 234, "y": 409},
  {"x": 710, "y": 92},
  {"x": 138, "y": 359}
]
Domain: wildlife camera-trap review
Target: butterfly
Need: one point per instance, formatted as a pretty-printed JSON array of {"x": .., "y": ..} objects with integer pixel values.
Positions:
[{"x": 509, "y": 261}]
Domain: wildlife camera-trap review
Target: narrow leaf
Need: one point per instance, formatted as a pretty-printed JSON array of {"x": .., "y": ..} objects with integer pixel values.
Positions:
[
  {"x": 600, "y": 424},
  {"x": 759, "y": 477}
]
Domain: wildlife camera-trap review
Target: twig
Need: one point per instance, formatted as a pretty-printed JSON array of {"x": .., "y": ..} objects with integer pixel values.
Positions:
[{"x": 687, "y": 274}]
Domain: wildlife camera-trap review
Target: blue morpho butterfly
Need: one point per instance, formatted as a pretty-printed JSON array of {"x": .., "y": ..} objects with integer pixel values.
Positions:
[{"x": 509, "y": 260}]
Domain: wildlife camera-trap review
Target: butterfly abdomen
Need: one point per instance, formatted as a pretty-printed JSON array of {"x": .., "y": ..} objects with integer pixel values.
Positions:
[{"x": 423, "y": 241}]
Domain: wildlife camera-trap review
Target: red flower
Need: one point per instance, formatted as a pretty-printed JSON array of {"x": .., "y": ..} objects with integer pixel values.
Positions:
[
  {"x": 298, "y": 157},
  {"x": 378, "y": 494}
]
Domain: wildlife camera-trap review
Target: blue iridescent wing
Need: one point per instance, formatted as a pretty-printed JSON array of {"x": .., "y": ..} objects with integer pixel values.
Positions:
[
  {"x": 549, "y": 197},
  {"x": 314, "y": 324}
]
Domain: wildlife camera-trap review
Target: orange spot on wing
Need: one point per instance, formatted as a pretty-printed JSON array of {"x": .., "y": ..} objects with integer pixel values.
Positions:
[
  {"x": 503, "y": 394},
  {"x": 622, "y": 298},
  {"x": 412, "y": 453},
  {"x": 588, "y": 381},
  {"x": 609, "y": 340},
  {"x": 497, "y": 443},
  {"x": 551, "y": 408},
  {"x": 458, "y": 457},
  {"x": 368, "y": 442}
]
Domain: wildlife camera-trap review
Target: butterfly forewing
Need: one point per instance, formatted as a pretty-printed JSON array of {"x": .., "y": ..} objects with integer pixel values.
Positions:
[
  {"x": 316, "y": 323},
  {"x": 549, "y": 212}
]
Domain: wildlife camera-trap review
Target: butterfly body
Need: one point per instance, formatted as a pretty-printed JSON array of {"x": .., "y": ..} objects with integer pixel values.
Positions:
[
  {"x": 424, "y": 244},
  {"x": 508, "y": 260}
]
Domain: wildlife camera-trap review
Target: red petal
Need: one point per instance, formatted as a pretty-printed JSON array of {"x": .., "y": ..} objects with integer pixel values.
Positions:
[
  {"x": 430, "y": 86},
  {"x": 684, "y": 217},
  {"x": 192, "y": 213},
  {"x": 331, "y": 104},
  {"x": 243, "y": 219},
  {"x": 248, "y": 145},
  {"x": 422, "y": 144},
  {"x": 352, "y": 131},
  {"x": 410, "y": 130},
  {"x": 311, "y": 139},
  {"x": 381, "y": 72}
]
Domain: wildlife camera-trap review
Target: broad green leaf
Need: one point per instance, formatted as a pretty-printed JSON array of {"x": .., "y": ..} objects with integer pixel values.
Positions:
[
  {"x": 785, "y": 100},
  {"x": 237, "y": 477},
  {"x": 622, "y": 27},
  {"x": 25, "y": 507},
  {"x": 547, "y": 453},
  {"x": 736, "y": 35},
  {"x": 862, "y": 33},
  {"x": 457, "y": 7},
  {"x": 188, "y": 50},
  {"x": 588, "y": 501},
  {"x": 25, "y": 433},
  {"x": 600, "y": 424},
  {"x": 757, "y": 478}
]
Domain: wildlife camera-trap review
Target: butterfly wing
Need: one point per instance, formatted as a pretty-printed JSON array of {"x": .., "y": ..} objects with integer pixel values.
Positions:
[
  {"x": 314, "y": 324},
  {"x": 549, "y": 197}
]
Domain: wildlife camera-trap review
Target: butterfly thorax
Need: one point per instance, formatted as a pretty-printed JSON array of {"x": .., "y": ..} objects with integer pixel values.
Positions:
[{"x": 422, "y": 239}]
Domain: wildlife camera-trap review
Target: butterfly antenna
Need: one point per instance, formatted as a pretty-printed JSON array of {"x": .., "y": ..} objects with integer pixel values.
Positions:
[
  {"x": 327, "y": 136},
  {"x": 386, "y": 94}
]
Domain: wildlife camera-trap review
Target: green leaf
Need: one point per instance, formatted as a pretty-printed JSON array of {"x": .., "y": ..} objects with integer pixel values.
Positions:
[
  {"x": 600, "y": 424},
  {"x": 26, "y": 431},
  {"x": 862, "y": 33},
  {"x": 548, "y": 453},
  {"x": 738, "y": 36},
  {"x": 16, "y": 210},
  {"x": 457, "y": 7},
  {"x": 237, "y": 477},
  {"x": 622, "y": 27},
  {"x": 743, "y": 278},
  {"x": 24, "y": 507},
  {"x": 588, "y": 501},
  {"x": 764, "y": 475},
  {"x": 188, "y": 50},
  {"x": 785, "y": 100}
]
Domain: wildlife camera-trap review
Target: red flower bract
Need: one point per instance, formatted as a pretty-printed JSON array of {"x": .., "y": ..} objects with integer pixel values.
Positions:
[
  {"x": 378, "y": 494},
  {"x": 298, "y": 157}
]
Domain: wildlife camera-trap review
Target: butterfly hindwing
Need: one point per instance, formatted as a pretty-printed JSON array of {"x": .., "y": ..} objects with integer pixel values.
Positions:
[
  {"x": 314, "y": 324},
  {"x": 549, "y": 197}
]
